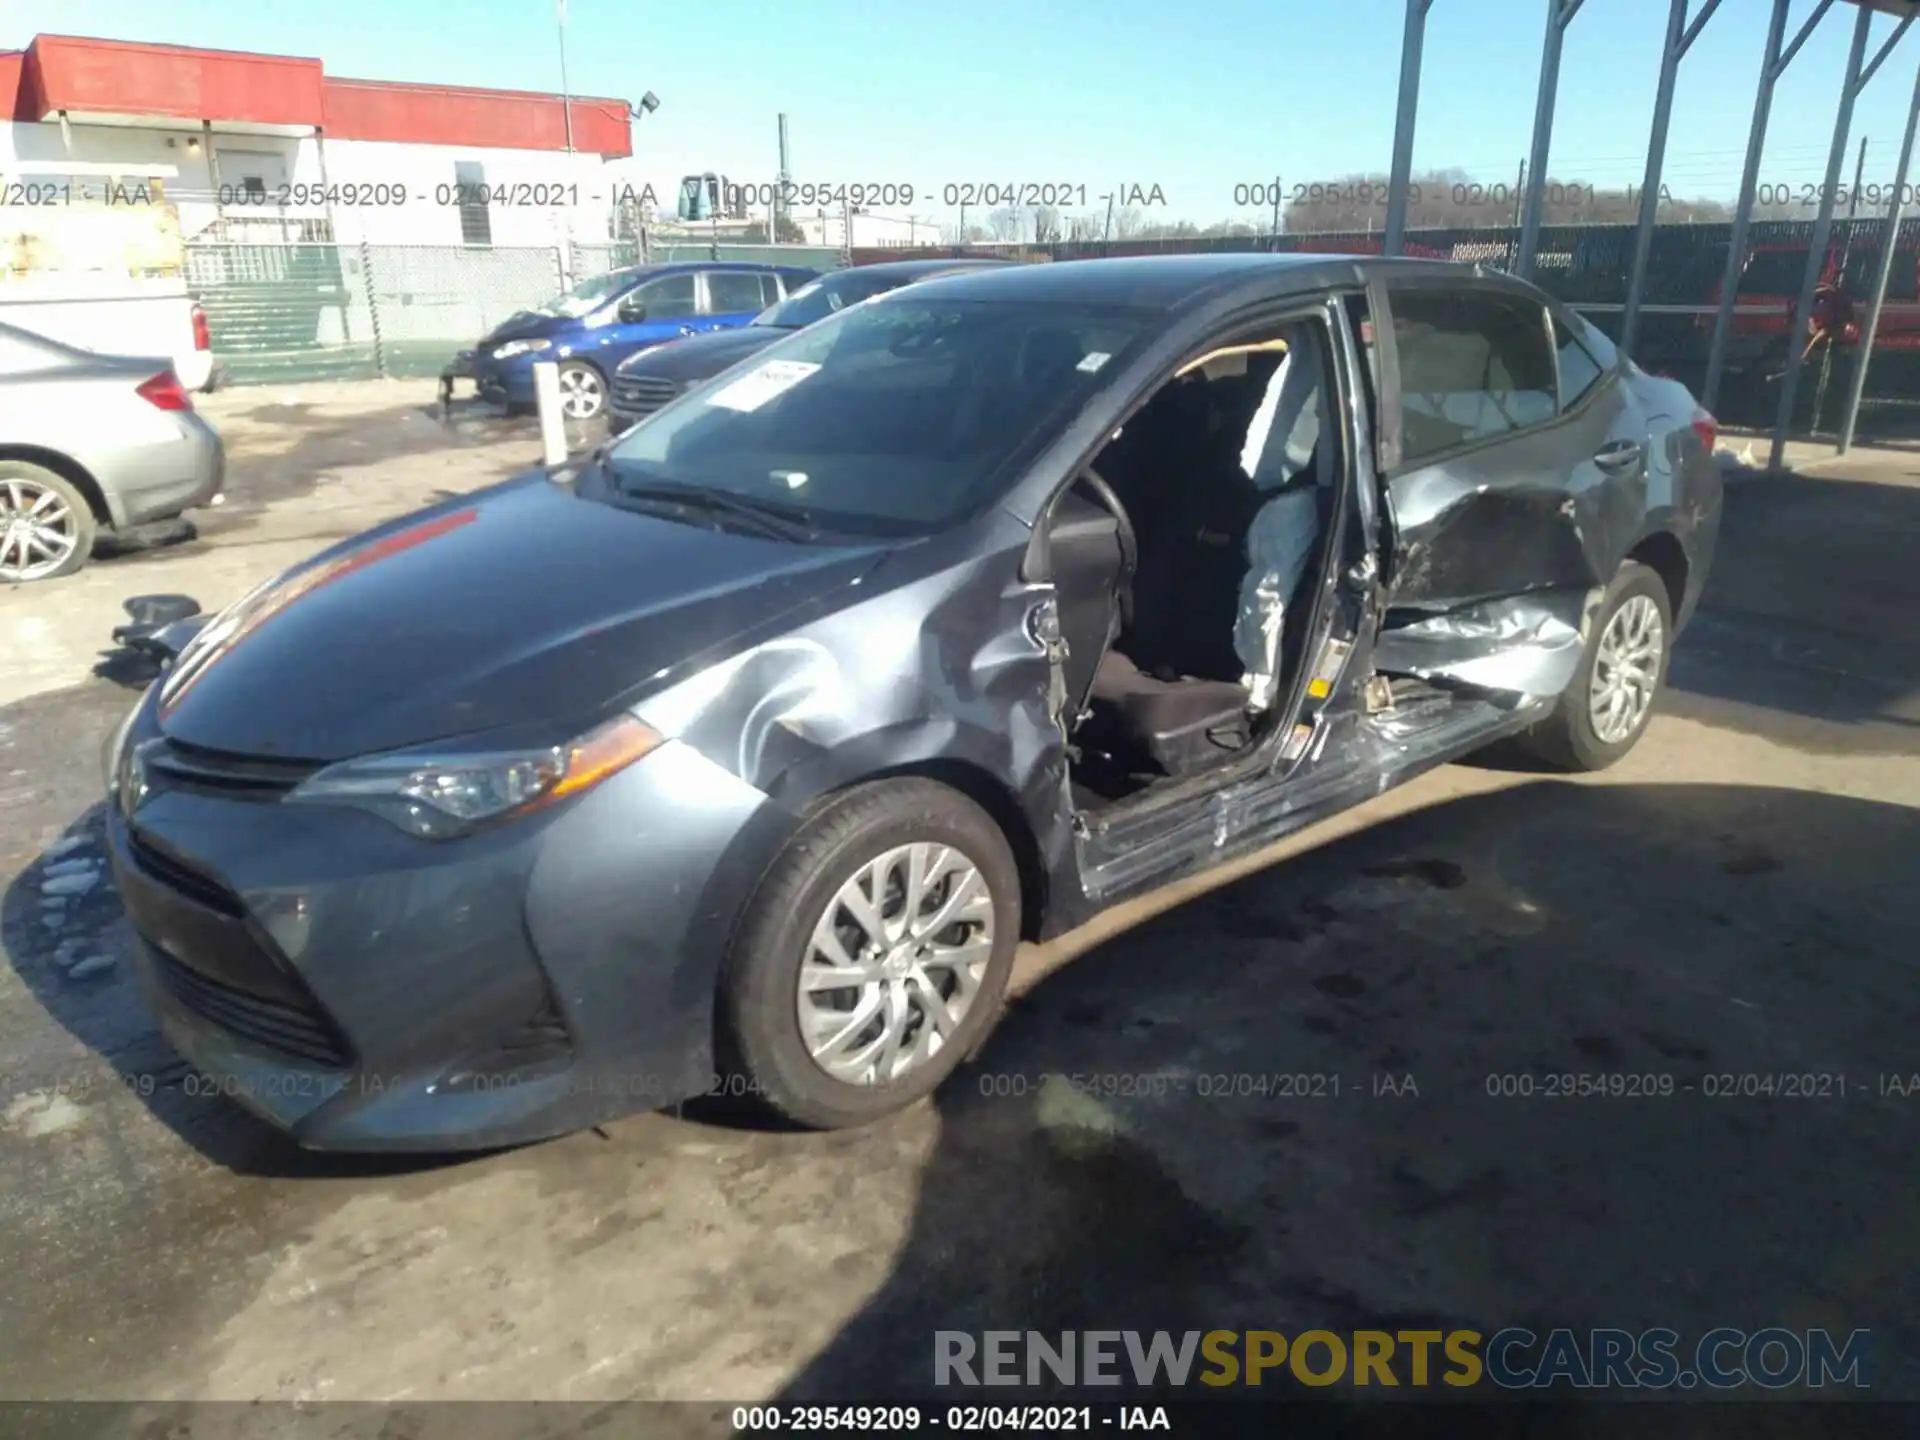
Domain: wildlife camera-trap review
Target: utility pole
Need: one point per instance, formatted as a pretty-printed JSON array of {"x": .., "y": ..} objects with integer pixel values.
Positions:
[
  {"x": 786, "y": 177},
  {"x": 1859, "y": 169}
]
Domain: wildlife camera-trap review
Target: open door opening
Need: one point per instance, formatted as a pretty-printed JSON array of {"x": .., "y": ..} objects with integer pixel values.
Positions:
[{"x": 1186, "y": 628}]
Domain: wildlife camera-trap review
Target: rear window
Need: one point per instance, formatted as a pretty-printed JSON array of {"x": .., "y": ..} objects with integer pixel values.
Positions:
[{"x": 1473, "y": 366}]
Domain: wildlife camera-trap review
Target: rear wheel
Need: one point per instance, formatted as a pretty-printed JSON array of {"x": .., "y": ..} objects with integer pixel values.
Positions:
[
  {"x": 46, "y": 525},
  {"x": 1605, "y": 709},
  {"x": 583, "y": 391},
  {"x": 874, "y": 957}
]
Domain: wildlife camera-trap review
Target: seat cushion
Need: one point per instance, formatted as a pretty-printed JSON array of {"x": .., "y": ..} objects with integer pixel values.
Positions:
[{"x": 1183, "y": 723}]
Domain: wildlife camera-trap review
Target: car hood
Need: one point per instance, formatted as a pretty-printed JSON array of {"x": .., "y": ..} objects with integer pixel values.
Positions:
[
  {"x": 522, "y": 605},
  {"x": 701, "y": 356},
  {"x": 527, "y": 325}
]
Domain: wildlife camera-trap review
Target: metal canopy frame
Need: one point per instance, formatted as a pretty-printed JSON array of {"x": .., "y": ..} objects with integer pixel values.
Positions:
[
  {"x": 1681, "y": 33},
  {"x": 1882, "y": 273},
  {"x": 1680, "y": 38},
  {"x": 1857, "y": 76},
  {"x": 1560, "y": 14}
]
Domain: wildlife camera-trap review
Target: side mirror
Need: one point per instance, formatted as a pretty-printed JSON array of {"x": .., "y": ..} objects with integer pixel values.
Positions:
[{"x": 633, "y": 311}]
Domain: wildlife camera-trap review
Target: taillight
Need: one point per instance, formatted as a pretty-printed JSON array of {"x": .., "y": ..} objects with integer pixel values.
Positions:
[
  {"x": 201, "y": 340},
  {"x": 165, "y": 392},
  {"x": 1707, "y": 428}
]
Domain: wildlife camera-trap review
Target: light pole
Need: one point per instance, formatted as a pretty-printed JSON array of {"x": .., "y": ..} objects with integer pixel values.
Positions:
[
  {"x": 649, "y": 103},
  {"x": 566, "y": 95}
]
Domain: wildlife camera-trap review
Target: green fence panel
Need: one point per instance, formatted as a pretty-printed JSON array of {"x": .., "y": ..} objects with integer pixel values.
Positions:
[{"x": 283, "y": 312}]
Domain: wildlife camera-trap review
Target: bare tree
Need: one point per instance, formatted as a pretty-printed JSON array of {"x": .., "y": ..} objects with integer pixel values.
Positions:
[
  {"x": 1006, "y": 223},
  {"x": 1047, "y": 225},
  {"x": 1458, "y": 200},
  {"x": 1128, "y": 220}
]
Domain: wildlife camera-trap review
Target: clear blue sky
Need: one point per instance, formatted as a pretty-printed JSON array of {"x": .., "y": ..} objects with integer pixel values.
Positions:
[{"x": 1194, "y": 97}]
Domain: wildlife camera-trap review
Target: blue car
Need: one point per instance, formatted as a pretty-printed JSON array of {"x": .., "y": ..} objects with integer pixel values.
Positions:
[{"x": 591, "y": 328}]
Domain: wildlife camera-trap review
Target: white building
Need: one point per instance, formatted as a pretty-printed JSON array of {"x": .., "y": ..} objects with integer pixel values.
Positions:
[{"x": 267, "y": 147}]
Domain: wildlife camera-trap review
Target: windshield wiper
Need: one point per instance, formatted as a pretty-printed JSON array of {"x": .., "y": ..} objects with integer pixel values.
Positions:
[{"x": 781, "y": 522}]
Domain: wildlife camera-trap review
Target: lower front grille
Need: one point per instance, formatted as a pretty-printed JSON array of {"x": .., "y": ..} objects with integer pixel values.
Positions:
[
  {"x": 300, "y": 1030},
  {"x": 201, "y": 889}
]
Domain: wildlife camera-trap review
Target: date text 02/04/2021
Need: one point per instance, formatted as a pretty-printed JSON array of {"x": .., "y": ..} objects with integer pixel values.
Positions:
[{"x": 959, "y": 1419}]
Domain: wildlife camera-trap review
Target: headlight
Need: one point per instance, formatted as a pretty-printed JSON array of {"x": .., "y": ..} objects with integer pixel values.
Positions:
[
  {"x": 440, "y": 794},
  {"x": 520, "y": 347},
  {"x": 117, "y": 748}
]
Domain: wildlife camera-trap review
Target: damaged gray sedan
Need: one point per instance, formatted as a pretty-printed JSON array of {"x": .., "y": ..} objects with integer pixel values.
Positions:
[{"x": 742, "y": 756}]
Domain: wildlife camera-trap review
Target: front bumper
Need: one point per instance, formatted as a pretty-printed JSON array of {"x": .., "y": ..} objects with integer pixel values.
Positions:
[
  {"x": 500, "y": 382},
  {"x": 364, "y": 990}
]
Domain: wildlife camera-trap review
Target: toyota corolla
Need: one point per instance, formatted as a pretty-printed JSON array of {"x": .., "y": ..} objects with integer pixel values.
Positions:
[{"x": 746, "y": 751}]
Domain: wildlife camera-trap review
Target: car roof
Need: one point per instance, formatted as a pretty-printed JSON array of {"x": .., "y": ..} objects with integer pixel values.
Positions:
[
  {"x": 675, "y": 267},
  {"x": 1169, "y": 283},
  {"x": 911, "y": 269}
]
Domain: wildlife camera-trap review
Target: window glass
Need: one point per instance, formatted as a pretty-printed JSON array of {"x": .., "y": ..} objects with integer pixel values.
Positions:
[
  {"x": 671, "y": 297},
  {"x": 770, "y": 292},
  {"x": 894, "y": 418},
  {"x": 734, "y": 292},
  {"x": 1579, "y": 371},
  {"x": 1473, "y": 366},
  {"x": 820, "y": 298}
]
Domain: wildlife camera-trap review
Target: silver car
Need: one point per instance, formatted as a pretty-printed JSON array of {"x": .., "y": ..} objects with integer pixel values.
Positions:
[{"x": 91, "y": 444}]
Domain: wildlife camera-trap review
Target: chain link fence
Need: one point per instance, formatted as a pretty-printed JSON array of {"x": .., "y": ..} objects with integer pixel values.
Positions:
[{"x": 288, "y": 312}]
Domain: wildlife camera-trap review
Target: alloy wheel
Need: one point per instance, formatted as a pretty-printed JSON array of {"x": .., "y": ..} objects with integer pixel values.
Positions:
[
  {"x": 38, "y": 529},
  {"x": 1626, "y": 670},
  {"x": 581, "y": 394},
  {"x": 895, "y": 963}
]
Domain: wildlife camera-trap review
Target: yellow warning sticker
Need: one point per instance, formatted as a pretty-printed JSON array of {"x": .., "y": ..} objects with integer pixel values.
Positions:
[{"x": 1333, "y": 655}]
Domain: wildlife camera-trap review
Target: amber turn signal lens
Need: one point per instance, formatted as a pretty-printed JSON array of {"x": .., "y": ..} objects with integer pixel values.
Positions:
[{"x": 604, "y": 751}]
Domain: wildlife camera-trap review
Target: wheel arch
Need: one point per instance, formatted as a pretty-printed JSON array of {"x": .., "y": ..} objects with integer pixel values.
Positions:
[
  {"x": 68, "y": 469},
  {"x": 1662, "y": 553},
  {"x": 992, "y": 795}
]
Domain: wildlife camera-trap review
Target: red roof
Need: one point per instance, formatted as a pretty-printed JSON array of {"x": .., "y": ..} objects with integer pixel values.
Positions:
[{"x": 121, "y": 78}]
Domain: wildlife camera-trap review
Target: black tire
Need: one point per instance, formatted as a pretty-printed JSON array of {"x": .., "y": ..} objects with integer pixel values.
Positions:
[
  {"x": 1567, "y": 739},
  {"x": 79, "y": 521},
  {"x": 583, "y": 372},
  {"x": 761, "y": 1050}
]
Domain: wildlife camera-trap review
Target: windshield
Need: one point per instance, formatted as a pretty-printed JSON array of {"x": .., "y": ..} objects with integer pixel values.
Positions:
[
  {"x": 820, "y": 298},
  {"x": 896, "y": 418},
  {"x": 587, "y": 296}
]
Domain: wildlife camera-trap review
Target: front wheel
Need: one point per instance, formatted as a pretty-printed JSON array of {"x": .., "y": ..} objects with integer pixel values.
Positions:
[
  {"x": 583, "y": 392},
  {"x": 1605, "y": 709},
  {"x": 874, "y": 957}
]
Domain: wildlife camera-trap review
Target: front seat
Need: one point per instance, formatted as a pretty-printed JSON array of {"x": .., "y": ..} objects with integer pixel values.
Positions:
[{"x": 1188, "y": 587}]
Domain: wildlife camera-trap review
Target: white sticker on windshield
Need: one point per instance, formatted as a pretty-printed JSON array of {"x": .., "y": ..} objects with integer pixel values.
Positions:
[
  {"x": 1093, "y": 360},
  {"x": 762, "y": 384}
]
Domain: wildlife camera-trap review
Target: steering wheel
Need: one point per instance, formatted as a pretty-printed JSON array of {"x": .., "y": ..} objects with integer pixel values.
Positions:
[{"x": 1129, "y": 542}]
